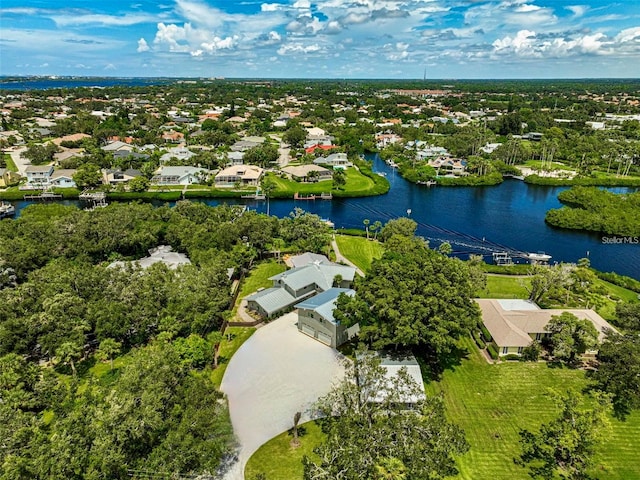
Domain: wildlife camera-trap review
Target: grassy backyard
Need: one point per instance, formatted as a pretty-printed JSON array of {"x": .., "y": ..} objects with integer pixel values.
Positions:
[
  {"x": 259, "y": 277},
  {"x": 359, "y": 250},
  {"x": 505, "y": 287},
  {"x": 356, "y": 184},
  {"x": 11, "y": 165},
  {"x": 492, "y": 403},
  {"x": 234, "y": 337}
]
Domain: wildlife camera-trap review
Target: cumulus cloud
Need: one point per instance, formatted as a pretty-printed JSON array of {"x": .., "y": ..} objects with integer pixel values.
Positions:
[
  {"x": 526, "y": 44},
  {"x": 143, "y": 46},
  {"x": 270, "y": 7},
  {"x": 628, "y": 35}
]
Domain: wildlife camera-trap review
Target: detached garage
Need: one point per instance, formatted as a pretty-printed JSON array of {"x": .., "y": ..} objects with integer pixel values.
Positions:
[{"x": 315, "y": 317}]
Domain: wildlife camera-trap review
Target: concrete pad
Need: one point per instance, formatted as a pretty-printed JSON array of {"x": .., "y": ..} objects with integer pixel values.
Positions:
[{"x": 277, "y": 372}]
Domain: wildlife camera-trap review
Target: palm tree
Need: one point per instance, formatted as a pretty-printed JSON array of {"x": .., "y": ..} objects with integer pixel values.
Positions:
[{"x": 366, "y": 226}]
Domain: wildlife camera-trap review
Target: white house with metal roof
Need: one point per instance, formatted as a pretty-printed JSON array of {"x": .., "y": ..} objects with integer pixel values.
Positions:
[{"x": 315, "y": 318}]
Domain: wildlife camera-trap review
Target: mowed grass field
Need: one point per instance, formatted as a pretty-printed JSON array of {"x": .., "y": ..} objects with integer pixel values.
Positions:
[
  {"x": 359, "y": 250},
  {"x": 492, "y": 403},
  {"x": 505, "y": 287},
  {"x": 356, "y": 183}
]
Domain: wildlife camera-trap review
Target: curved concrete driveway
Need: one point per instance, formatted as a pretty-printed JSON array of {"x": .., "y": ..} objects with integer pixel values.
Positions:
[{"x": 277, "y": 372}]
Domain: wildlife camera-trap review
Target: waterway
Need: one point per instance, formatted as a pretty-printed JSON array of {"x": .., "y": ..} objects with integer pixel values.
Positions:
[{"x": 479, "y": 220}]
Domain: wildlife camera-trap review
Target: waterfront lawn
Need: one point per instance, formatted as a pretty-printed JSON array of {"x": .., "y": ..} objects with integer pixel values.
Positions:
[
  {"x": 234, "y": 337},
  {"x": 356, "y": 183},
  {"x": 278, "y": 460},
  {"x": 505, "y": 287},
  {"x": 537, "y": 164},
  {"x": 359, "y": 250},
  {"x": 493, "y": 402}
]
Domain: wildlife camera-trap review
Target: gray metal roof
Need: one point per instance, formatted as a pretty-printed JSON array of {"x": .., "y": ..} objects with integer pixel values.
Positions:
[
  {"x": 320, "y": 274},
  {"x": 325, "y": 303},
  {"x": 273, "y": 299}
]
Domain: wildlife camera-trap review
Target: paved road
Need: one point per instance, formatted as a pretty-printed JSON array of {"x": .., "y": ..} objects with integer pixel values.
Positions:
[
  {"x": 277, "y": 372},
  {"x": 21, "y": 163}
]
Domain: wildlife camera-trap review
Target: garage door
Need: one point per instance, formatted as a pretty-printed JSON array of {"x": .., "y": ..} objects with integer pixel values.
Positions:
[
  {"x": 324, "y": 338},
  {"x": 308, "y": 330}
]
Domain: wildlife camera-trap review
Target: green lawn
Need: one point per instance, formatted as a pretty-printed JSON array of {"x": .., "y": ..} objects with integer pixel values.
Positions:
[
  {"x": 11, "y": 166},
  {"x": 359, "y": 250},
  {"x": 259, "y": 277},
  {"x": 505, "y": 287},
  {"x": 278, "y": 460},
  {"x": 234, "y": 338},
  {"x": 357, "y": 183},
  {"x": 492, "y": 403}
]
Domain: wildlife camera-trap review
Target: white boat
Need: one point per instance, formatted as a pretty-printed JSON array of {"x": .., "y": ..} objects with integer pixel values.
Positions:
[
  {"x": 539, "y": 258},
  {"x": 6, "y": 210}
]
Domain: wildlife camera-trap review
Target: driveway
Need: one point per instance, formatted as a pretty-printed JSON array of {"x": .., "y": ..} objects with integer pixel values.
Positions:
[{"x": 277, "y": 372}]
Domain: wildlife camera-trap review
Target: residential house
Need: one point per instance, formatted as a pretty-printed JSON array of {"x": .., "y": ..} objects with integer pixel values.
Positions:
[
  {"x": 63, "y": 178},
  {"x": 162, "y": 253},
  {"x": 172, "y": 136},
  {"x": 308, "y": 173},
  {"x": 235, "y": 158},
  {"x": 315, "y": 318},
  {"x": 515, "y": 324},
  {"x": 38, "y": 176},
  {"x": 452, "y": 166},
  {"x": 297, "y": 284},
  {"x": 7, "y": 177},
  {"x": 115, "y": 177},
  {"x": 247, "y": 143},
  {"x": 180, "y": 175},
  {"x": 181, "y": 153},
  {"x": 117, "y": 146},
  {"x": 393, "y": 363},
  {"x": 247, "y": 175},
  {"x": 317, "y": 146},
  {"x": 335, "y": 160}
]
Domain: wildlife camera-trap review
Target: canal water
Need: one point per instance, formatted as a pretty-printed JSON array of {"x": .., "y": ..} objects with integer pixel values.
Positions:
[{"x": 479, "y": 220}]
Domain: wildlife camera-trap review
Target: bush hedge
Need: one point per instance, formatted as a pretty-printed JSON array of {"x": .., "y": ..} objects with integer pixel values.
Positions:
[
  {"x": 493, "y": 351},
  {"x": 485, "y": 334},
  {"x": 479, "y": 342}
]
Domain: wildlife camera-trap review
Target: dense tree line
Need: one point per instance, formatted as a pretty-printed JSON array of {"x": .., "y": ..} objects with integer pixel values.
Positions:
[{"x": 593, "y": 209}]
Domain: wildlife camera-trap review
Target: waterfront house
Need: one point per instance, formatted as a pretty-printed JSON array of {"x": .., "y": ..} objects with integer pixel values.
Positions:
[
  {"x": 315, "y": 318},
  {"x": 38, "y": 176},
  {"x": 246, "y": 175},
  {"x": 308, "y": 173},
  {"x": 515, "y": 324},
  {"x": 335, "y": 160},
  {"x": 115, "y": 177},
  {"x": 180, "y": 175},
  {"x": 63, "y": 178}
]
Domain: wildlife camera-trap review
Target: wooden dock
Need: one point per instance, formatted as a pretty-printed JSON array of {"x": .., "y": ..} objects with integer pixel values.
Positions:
[{"x": 43, "y": 196}]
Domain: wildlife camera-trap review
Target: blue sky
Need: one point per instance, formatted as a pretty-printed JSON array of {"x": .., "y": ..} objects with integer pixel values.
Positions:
[{"x": 322, "y": 39}]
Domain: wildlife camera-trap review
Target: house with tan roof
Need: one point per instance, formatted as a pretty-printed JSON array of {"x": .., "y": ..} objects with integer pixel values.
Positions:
[
  {"x": 515, "y": 324},
  {"x": 308, "y": 173},
  {"x": 242, "y": 174}
]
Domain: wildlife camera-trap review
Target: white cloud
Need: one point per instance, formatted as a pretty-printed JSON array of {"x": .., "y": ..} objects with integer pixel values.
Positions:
[
  {"x": 527, "y": 44},
  {"x": 143, "y": 46},
  {"x": 64, "y": 20},
  {"x": 302, "y": 4},
  {"x": 296, "y": 48},
  {"x": 577, "y": 10},
  {"x": 628, "y": 35},
  {"x": 270, "y": 7}
]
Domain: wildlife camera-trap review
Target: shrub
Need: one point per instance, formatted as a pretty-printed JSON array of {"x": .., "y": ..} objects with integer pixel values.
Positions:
[
  {"x": 485, "y": 333},
  {"x": 478, "y": 340},
  {"x": 512, "y": 356},
  {"x": 532, "y": 352},
  {"x": 493, "y": 352}
]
